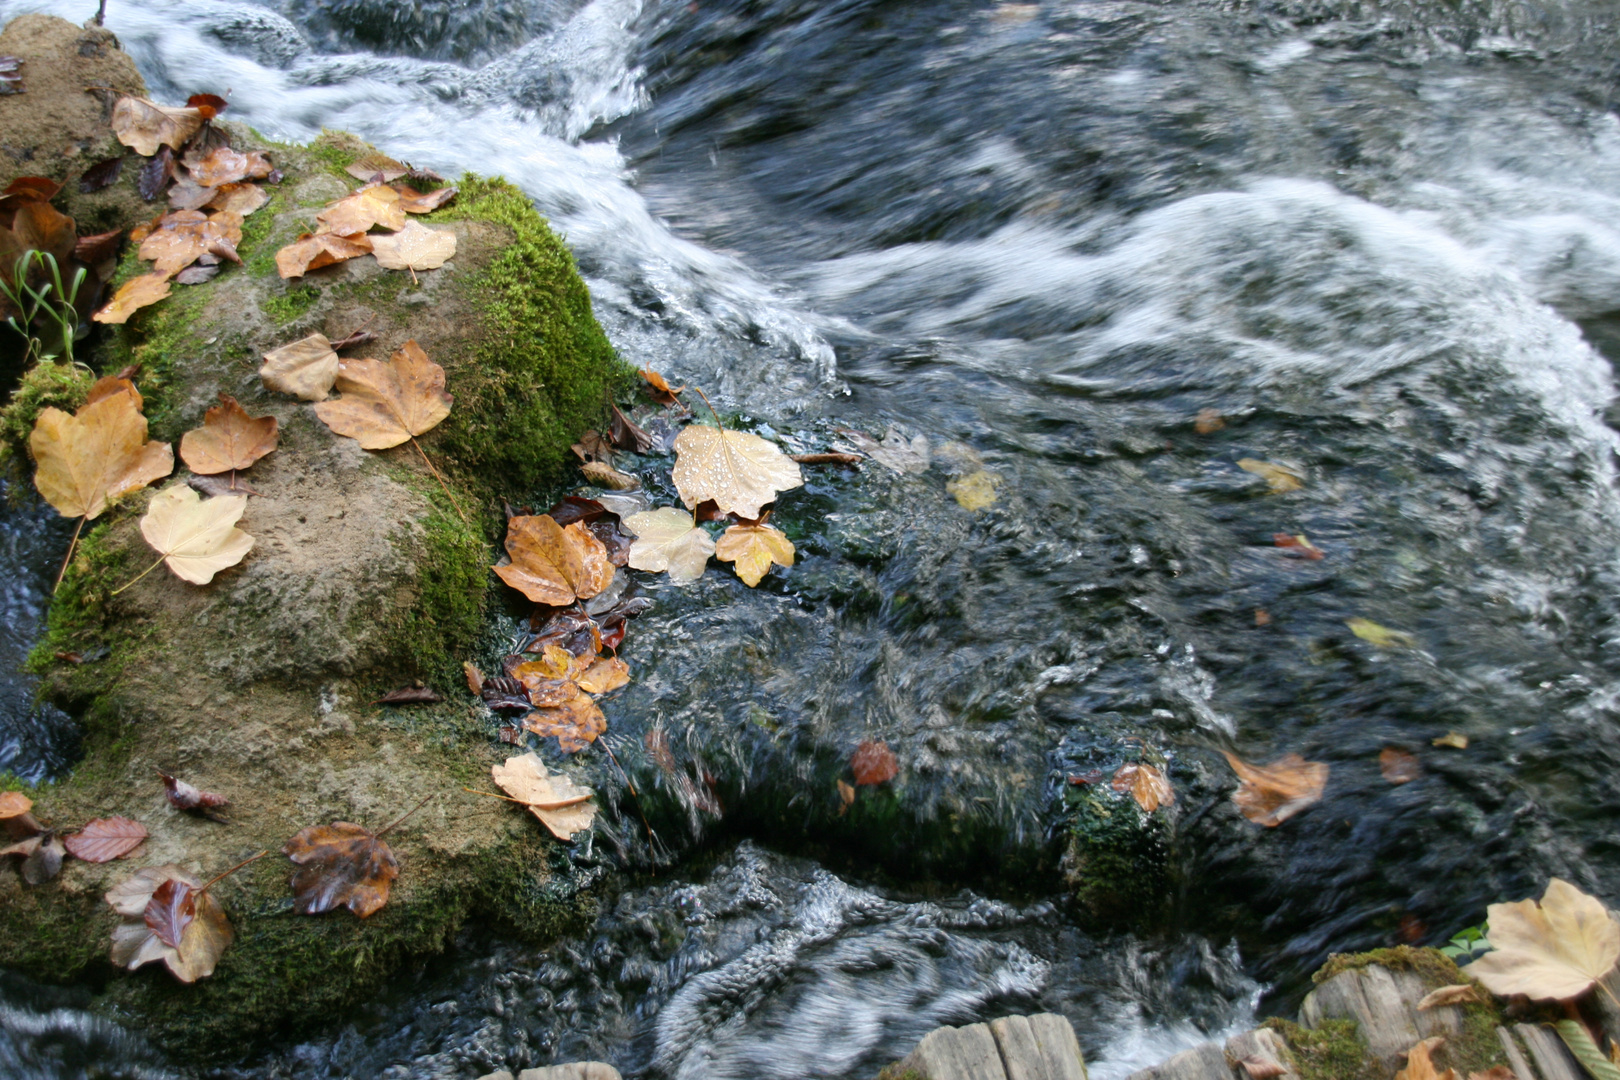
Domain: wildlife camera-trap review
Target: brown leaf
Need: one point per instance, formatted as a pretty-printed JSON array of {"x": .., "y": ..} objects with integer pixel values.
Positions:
[
  {"x": 414, "y": 202},
  {"x": 504, "y": 692},
  {"x": 210, "y": 105},
  {"x": 874, "y": 763},
  {"x": 1279, "y": 478},
  {"x": 751, "y": 549},
  {"x": 39, "y": 226},
  {"x": 382, "y": 405},
  {"x": 144, "y": 125},
  {"x": 45, "y": 860},
  {"x": 201, "y": 940},
  {"x": 475, "y": 678},
  {"x": 38, "y": 188},
  {"x": 607, "y": 673},
  {"x": 99, "y": 248},
  {"x": 827, "y": 459},
  {"x": 222, "y": 165},
  {"x": 414, "y": 247},
  {"x": 187, "y": 194},
  {"x": 1297, "y": 545},
  {"x": 183, "y": 796},
  {"x": 1256, "y": 1067},
  {"x": 98, "y": 453},
  {"x": 374, "y": 204},
  {"x": 105, "y": 839},
  {"x": 196, "y": 274},
  {"x": 101, "y": 174},
  {"x": 846, "y": 797},
  {"x": 624, "y": 434},
  {"x": 354, "y": 340},
  {"x": 660, "y": 390},
  {"x": 576, "y": 722},
  {"x": 369, "y": 165},
  {"x": 15, "y": 814},
  {"x": 229, "y": 439},
  {"x": 340, "y": 865},
  {"x": 1271, "y": 794},
  {"x": 602, "y": 474},
  {"x": 1420, "y": 1065},
  {"x": 172, "y": 908},
  {"x": 576, "y": 508},
  {"x": 134, "y": 294},
  {"x": 1147, "y": 785},
  {"x": 240, "y": 199},
  {"x": 181, "y": 238},
  {"x": 592, "y": 446},
  {"x": 1398, "y": 766},
  {"x": 311, "y": 251},
  {"x": 306, "y": 368},
  {"x": 552, "y": 564},
  {"x": 564, "y": 807},
  {"x": 614, "y": 537},
  {"x": 1495, "y": 1072},
  {"x": 409, "y": 695},
  {"x": 1461, "y": 993},
  {"x": 154, "y": 175},
  {"x": 1208, "y": 421}
]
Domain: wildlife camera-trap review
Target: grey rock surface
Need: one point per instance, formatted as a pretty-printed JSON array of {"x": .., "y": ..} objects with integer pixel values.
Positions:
[
  {"x": 964, "y": 1053},
  {"x": 1040, "y": 1047},
  {"x": 1264, "y": 1046},
  {"x": 1383, "y": 1003},
  {"x": 1205, "y": 1062},
  {"x": 1553, "y": 1059}
]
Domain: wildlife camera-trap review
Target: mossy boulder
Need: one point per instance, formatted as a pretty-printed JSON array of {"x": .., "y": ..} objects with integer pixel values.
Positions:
[
  {"x": 1117, "y": 860},
  {"x": 364, "y": 576}
]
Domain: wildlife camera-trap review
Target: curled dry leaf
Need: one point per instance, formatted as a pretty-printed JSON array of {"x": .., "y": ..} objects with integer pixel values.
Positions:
[
  {"x": 340, "y": 865},
  {"x": 382, "y": 405},
  {"x": 98, "y": 453},
  {"x": 132, "y": 295},
  {"x": 197, "y": 538},
  {"x": 311, "y": 251},
  {"x": 475, "y": 678},
  {"x": 416, "y": 202},
  {"x": 564, "y": 807},
  {"x": 1459, "y": 994},
  {"x": 1454, "y": 740},
  {"x": 1279, "y": 478},
  {"x": 144, "y": 125},
  {"x": 552, "y": 564},
  {"x": 306, "y": 368},
  {"x": 659, "y": 388},
  {"x": 752, "y": 549},
  {"x": 1147, "y": 785},
  {"x": 667, "y": 539},
  {"x": 414, "y": 247},
  {"x": 183, "y": 796},
  {"x": 1554, "y": 950},
  {"x": 198, "y": 926},
  {"x": 739, "y": 471},
  {"x": 607, "y": 673},
  {"x": 1271, "y": 794},
  {"x": 1398, "y": 766},
  {"x": 229, "y": 439},
  {"x": 105, "y": 839},
  {"x": 367, "y": 167},
  {"x": 975, "y": 491},
  {"x": 42, "y": 856},
  {"x": 576, "y": 722},
  {"x": 874, "y": 763},
  {"x": 374, "y": 204},
  {"x": 1420, "y": 1063},
  {"x": 602, "y": 474},
  {"x": 1381, "y": 636}
]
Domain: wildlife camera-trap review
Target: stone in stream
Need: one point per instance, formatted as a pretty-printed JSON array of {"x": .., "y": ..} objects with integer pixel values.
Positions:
[
  {"x": 577, "y": 1070},
  {"x": 1040, "y": 1047},
  {"x": 1204, "y": 1062},
  {"x": 1383, "y": 1002}
]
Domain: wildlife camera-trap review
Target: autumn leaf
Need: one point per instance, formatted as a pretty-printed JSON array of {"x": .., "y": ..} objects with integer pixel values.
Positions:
[
  {"x": 16, "y": 815},
  {"x": 753, "y": 548},
  {"x": 340, "y": 865},
  {"x": 105, "y": 839},
  {"x": 229, "y": 439},
  {"x": 475, "y": 678},
  {"x": 222, "y": 165},
  {"x": 1453, "y": 740},
  {"x": 306, "y": 368},
  {"x": 183, "y": 237},
  {"x": 739, "y": 471},
  {"x": 1279, "y": 478},
  {"x": 1457, "y": 994},
  {"x": 414, "y": 247},
  {"x": 564, "y": 807},
  {"x": 98, "y": 453},
  {"x": 1271, "y": 794},
  {"x": 667, "y": 539},
  {"x": 196, "y": 925},
  {"x": 1147, "y": 785},
  {"x": 1554, "y": 950},
  {"x": 132, "y": 295},
  {"x": 144, "y": 125},
  {"x": 895, "y": 452},
  {"x": 101, "y": 174},
  {"x": 416, "y": 202},
  {"x": 98, "y": 249},
  {"x": 311, "y": 251},
  {"x": 1381, "y": 636},
  {"x": 976, "y": 491},
  {"x": 1208, "y": 421},
  {"x": 1419, "y": 1064},
  {"x": 374, "y": 204},
  {"x": 196, "y": 538},
  {"x": 602, "y": 474},
  {"x": 241, "y": 199},
  {"x": 382, "y": 405},
  {"x": 576, "y": 722},
  {"x": 1398, "y": 766},
  {"x": 607, "y": 673},
  {"x": 184, "y": 796},
  {"x": 624, "y": 434},
  {"x": 41, "y": 854},
  {"x": 1297, "y": 545},
  {"x": 874, "y": 763},
  {"x": 369, "y": 165},
  {"x": 552, "y": 564},
  {"x": 659, "y": 388}
]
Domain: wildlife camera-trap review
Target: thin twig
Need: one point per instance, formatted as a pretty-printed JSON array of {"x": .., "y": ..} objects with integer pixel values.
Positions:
[
  {"x": 379, "y": 833},
  {"x": 142, "y": 574},
  {"x": 442, "y": 484},
  {"x": 60, "y": 574},
  {"x": 233, "y": 870}
]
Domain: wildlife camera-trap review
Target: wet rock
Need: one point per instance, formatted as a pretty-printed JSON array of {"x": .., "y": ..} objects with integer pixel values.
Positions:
[
  {"x": 579, "y": 1070},
  {"x": 1205, "y": 1062},
  {"x": 1040, "y": 1047},
  {"x": 1261, "y": 1046},
  {"x": 1552, "y": 1058},
  {"x": 1383, "y": 1003}
]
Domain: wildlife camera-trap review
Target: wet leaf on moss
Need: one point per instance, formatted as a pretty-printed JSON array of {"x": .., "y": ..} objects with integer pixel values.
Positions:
[
  {"x": 132, "y": 295},
  {"x": 311, "y": 251},
  {"x": 340, "y": 865},
  {"x": 105, "y": 839},
  {"x": 98, "y": 453},
  {"x": 352, "y": 215},
  {"x": 200, "y": 932},
  {"x": 564, "y": 807}
]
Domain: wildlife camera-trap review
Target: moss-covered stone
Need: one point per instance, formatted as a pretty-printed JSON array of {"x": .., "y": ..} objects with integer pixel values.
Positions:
[
  {"x": 1333, "y": 1051},
  {"x": 57, "y": 385},
  {"x": 1117, "y": 861}
]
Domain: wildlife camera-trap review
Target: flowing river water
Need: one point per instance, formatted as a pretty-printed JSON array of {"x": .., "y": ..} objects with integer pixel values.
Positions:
[{"x": 1381, "y": 241}]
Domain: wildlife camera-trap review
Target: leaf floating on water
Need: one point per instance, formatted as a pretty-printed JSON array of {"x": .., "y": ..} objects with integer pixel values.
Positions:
[
  {"x": 105, "y": 839},
  {"x": 975, "y": 491},
  {"x": 98, "y": 453},
  {"x": 1298, "y": 545},
  {"x": 306, "y": 368},
  {"x": 564, "y": 807},
  {"x": 340, "y": 865},
  {"x": 894, "y": 452},
  {"x": 660, "y": 390},
  {"x": 132, "y": 295},
  {"x": 414, "y": 247},
  {"x": 197, "y": 926},
  {"x": 382, "y": 405},
  {"x": 606, "y": 674},
  {"x": 1147, "y": 785},
  {"x": 229, "y": 439},
  {"x": 576, "y": 722},
  {"x": 1381, "y": 636},
  {"x": 552, "y": 564},
  {"x": 752, "y": 549},
  {"x": 846, "y": 797},
  {"x": 311, "y": 251},
  {"x": 1208, "y": 421},
  {"x": 1456, "y": 740},
  {"x": 739, "y": 471},
  {"x": 668, "y": 539},
  {"x": 874, "y": 763},
  {"x": 144, "y": 125},
  {"x": 1271, "y": 794},
  {"x": 1279, "y": 478},
  {"x": 1398, "y": 766},
  {"x": 197, "y": 538},
  {"x": 1554, "y": 950}
]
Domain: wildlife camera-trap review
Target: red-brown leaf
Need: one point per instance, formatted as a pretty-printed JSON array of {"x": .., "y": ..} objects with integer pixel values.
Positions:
[
  {"x": 101, "y": 174},
  {"x": 105, "y": 839},
  {"x": 340, "y": 865},
  {"x": 170, "y": 911},
  {"x": 409, "y": 695},
  {"x": 874, "y": 763},
  {"x": 210, "y": 105},
  {"x": 156, "y": 174},
  {"x": 182, "y": 796},
  {"x": 100, "y": 247}
]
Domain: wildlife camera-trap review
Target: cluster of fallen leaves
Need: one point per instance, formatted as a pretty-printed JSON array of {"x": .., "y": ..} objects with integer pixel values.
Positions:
[
  {"x": 344, "y": 227},
  {"x": 42, "y": 849},
  {"x": 28, "y": 222}
]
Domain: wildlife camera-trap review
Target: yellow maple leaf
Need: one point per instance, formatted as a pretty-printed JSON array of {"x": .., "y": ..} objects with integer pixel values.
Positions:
[
  {"x": 751, "y": 549},
  {"x": 98, "y": 453},
  {"x": 1554, "y": 950},
  {"x": 739, "y": 471},
  {"x": 196, "y": 538},
  {"x": 382, "y": 405},
  {"x": 414, "y": 247}
]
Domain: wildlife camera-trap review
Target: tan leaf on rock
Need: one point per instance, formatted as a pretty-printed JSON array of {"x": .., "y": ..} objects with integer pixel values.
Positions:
[
  {"x": 225, "y": 165},
  {"x": 414, "y": 202},
  {"x": 229, "y": 224},
  {"x": 311, "y": 251},
  {"x": 1554, "y": 950},
  {"x": 562, "y": 806},
  {"x": 241, "y": 199},
  {"x": 368, "y": 166},
  {"x": 607, "y": 673},
  {"x": 203, "y": 937},
  {"x": 196, "y": 538},
  {"x": 307, "y": 368},
  {"x": 752, "y": 549},
  {"x": 1459, "y": 994},
  {"x": 1147, "y": 785},
  {"x": 1271, "y": 794},
  {"x": 414, "y": 247},
  {"x": 374, "y": 204},
  {"x": 108, "y": 385},
  {"x": 144, "y": 125},
  {"x": 552, "y": 564},
  {"x": 1279, "y": 478},
  {"x": 229, "y": 439},
  {"x": 96, "y": 454},
  {"x": 181, "y": 238},
  {"x": 382, "y": 405},
  {"x": 132, "y": 295},
  {"x": 668, "y": 539},
  {"x": 186, "y": 194},
  {"x": 576, "y": 722},
  {"x": 739, "y": 471}
]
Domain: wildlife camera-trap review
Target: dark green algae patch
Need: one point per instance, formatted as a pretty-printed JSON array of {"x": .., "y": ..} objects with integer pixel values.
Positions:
[{"x": 530, "y": 369}]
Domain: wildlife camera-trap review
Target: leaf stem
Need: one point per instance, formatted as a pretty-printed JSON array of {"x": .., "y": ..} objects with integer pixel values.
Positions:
[
  {"x": 388, "y": 827},
  {"x": 717, "y": 421},
  {"x": 233, "y": 870},
  {"x": 1603, "y": 987},
  {"x": 442, "y": 484},
  {"x": 142, "y": 574},
  {"x": 60, "y": 574}
]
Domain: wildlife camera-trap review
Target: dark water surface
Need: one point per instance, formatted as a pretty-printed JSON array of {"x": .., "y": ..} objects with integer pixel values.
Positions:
[{"x": 1381, "y": 241}]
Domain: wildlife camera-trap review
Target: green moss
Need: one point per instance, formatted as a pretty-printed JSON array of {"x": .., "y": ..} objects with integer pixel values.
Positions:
[
  {"x": 291, "y": 304},
  {"x": 895, "y": 1072},
  {"x": 1118, "y": 859},
  {"x": 1436, "y": 968},
  {"x": 78, "y": 621},
  {"x": 58, "y": 385},
  {"x": 161, "y": 341},
  {"x": 337, "y": 150},
  {"x": 540, "y": 369},
  {"x": 1333, "y": 1051}
]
